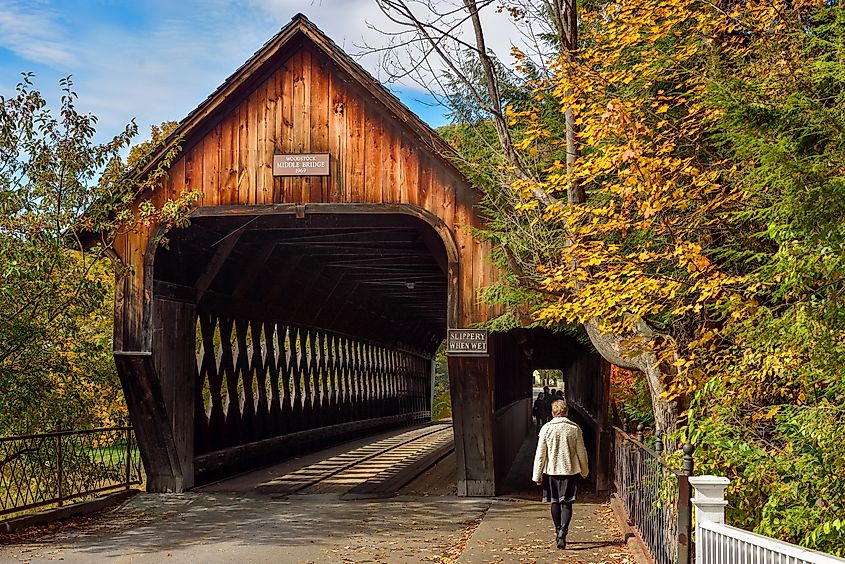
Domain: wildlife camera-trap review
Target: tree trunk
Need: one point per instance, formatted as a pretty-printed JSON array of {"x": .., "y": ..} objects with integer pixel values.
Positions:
[{"x": 610, "y": 346}]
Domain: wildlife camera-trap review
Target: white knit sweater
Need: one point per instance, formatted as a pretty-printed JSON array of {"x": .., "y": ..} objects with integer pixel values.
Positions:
[{"x": 560, "y": 450}]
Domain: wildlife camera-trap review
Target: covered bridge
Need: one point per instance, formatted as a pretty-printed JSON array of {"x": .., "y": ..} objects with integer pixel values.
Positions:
[{"x": 330, "y": 251}]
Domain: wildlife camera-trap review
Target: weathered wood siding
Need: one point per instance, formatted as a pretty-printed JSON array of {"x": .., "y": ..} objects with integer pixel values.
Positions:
[{"x": 307, "y": 104}]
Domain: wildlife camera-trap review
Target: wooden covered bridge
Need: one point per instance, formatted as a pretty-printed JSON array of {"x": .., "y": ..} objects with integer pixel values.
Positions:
[{"x": 331, "y": 250}]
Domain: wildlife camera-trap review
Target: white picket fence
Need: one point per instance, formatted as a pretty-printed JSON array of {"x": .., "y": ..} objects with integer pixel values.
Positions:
[{"x": 718, "y": 543}]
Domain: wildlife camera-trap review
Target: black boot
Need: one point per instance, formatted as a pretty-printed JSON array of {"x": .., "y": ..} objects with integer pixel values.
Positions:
[{"x": 561, "y": 538}]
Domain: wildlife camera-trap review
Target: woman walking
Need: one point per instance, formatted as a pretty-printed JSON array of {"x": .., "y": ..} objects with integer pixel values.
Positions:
[{"x": 561, "y": 457}]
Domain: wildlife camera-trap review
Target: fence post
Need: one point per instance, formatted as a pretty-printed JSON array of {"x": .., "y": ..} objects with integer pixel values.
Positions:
[
  {"x": 128, "y": 456},
  {"x": 658, "y": 442},
  {"x": 709, "y": 502},
  {"x": 59, "y": 473},
  {"x": 640, "y": 434},
  {"x": 684, "y": 509}
]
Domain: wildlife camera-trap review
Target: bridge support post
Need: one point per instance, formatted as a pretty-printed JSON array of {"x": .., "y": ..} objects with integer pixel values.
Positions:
[
  {"x": 159, "y": 390},
  {"x": 471, "y": 385},
  {"x": 174, "y": 356},
  {"x": 147, "y": 413}
]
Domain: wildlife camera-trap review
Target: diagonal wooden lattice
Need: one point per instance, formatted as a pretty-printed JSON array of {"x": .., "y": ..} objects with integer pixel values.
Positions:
[{"x": 257, "y": 380}]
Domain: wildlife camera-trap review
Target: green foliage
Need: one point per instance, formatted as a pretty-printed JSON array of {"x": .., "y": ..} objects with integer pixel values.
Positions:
[
  {"x": 475, "y": 144},
  {"x": 59, "y": 187},
  {"x": 772, "y": 419},
  {"x": 139, "y": 152},
  {"x": 549, "y": 377},
  {"x": 636, "y": 408},
  {"x": 711, "y": 143},
  {"x": 480, "y": 160},
  {"x": 442, "y": 408}
]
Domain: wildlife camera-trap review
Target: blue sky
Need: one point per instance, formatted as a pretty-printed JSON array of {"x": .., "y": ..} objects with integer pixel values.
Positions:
[{"x": 156, "y": 60}]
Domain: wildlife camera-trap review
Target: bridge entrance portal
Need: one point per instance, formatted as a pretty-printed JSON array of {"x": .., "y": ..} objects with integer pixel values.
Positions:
[
  {"x": 304, "y": 303},
  {"x": 304, "y": 329}
]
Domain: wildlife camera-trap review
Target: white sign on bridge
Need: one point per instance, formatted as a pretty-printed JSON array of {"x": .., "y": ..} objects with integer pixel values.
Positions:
[
  {"x": 316, "y": 164},
  {"x": 467, "y": 341}
]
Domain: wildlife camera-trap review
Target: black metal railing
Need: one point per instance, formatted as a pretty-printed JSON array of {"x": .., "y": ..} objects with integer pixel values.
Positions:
[
  {"x": 656, "y": 497},
  {"x": 54, "y": 468}
]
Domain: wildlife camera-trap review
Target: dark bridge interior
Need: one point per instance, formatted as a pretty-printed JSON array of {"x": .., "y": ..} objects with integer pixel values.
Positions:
[
  {"x": 380, "y": 277},
  {"x": 308, "y": 330},
  {"x": 303, "y": 331}
]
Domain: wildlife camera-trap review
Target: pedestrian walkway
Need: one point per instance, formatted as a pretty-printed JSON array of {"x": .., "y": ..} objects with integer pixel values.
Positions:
[
  {"x": 230, "y": 521},
  {"x": 515, "y": 531},
  {"x": 518, "y": 527}
]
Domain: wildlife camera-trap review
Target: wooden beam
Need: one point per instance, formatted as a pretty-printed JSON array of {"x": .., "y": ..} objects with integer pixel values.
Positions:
[
  {"x": 174, "y": 292},
  {"x": 228, "y": 306},
  {"x": 256, "y": 267},
  {"x": 303, "y": 302},
  {"x": 149, "y": 417},
  {"x": 175, "y": 361},
  {"x": 224, "y": 249},
  {"x": 471, "y": 383},
  {"x": 330, "y": 299},
  {"x": 308, "y": 235},
  {"x": 435, "y": 247},
  {"x": 324, "y": 215}
]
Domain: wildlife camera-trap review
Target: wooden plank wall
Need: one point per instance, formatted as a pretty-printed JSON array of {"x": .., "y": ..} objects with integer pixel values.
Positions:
[
  {"x": 174, "y": 332},
  {"x": 472, "y": 400},
  {"x": 308, "y": 105}
]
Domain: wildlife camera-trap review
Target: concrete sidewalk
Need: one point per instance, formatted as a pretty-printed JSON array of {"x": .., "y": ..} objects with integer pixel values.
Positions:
[
  {"x": 518, "y": 527},
  {"x": 228, "y": 522},
  {"x": 517, "y": 531}
]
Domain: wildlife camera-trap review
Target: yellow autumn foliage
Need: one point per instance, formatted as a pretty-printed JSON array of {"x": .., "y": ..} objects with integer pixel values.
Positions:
[{"x": 642, "y": 245}]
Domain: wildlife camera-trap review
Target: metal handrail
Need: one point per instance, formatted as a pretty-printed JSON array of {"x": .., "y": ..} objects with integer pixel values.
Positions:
[
  {"x": 642, "y": 478},
  {"x": 63, "y": 433},
  {"x": 56, "y": 467}
]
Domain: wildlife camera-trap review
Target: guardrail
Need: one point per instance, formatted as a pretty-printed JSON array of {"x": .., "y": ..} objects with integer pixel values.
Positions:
[
  {"x": 656, "y": 497},
  {"x": 54, "y": 468},
  {"x": 718, "y": 543}
]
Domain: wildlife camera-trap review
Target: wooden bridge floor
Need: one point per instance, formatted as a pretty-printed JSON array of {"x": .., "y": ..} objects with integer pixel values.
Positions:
[
  {"x": 374, "y": 466},
  {"x": 378, "y": 469}
]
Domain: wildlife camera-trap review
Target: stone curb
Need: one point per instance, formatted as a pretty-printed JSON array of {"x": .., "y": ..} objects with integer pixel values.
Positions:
[
  {"x": 635, "y": 545},
  {"x": 60, "y": 513}
]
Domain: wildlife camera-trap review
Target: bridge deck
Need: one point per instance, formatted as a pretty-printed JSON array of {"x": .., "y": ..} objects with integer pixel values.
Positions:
[
  {"x": 374, "y": 466},
  {"x": 377, "y": 469}
]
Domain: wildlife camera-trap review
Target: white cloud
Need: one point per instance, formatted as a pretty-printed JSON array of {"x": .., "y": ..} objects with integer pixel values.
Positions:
[
  {"x": 356, "y": 24},
  {"x": 160, "y": 72},
  {"x": 33, "y": 31},
  {"x": 163, "y": 65}
]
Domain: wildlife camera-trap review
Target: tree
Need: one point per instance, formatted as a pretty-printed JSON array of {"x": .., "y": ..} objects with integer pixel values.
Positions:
[
  {"x": 709, "y": 249},
  {"x": 526, "y": 225},
  {"x": 56, "y": 185}
]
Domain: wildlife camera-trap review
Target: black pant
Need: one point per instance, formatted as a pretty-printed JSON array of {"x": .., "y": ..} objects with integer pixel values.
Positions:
[
  {"x": 562, "y": 515},
  {"x": 560, "y": 491}
]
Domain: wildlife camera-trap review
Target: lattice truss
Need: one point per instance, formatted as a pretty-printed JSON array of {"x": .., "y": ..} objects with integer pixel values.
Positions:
[{"x": 259, "y": 379}]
